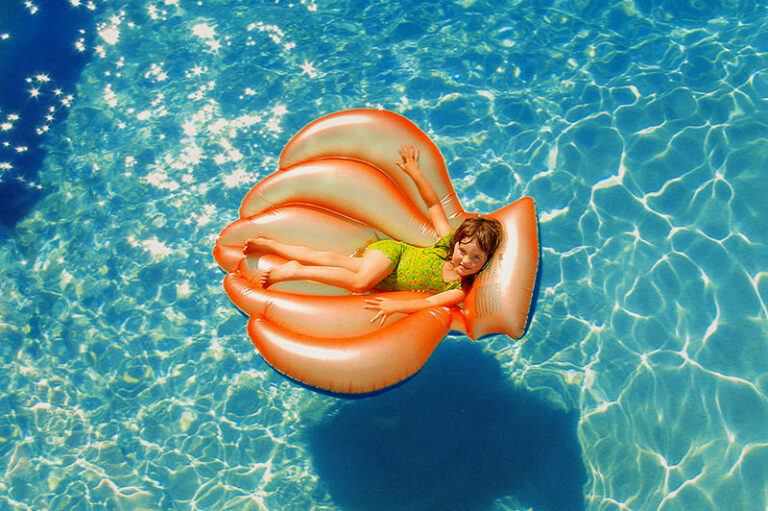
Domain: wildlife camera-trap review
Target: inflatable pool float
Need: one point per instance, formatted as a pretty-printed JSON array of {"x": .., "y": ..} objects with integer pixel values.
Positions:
[{"x": 338, "y": 189}]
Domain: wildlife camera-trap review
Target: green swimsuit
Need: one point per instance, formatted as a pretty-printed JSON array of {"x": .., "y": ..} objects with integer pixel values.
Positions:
[{"x": 416, "y": 268}]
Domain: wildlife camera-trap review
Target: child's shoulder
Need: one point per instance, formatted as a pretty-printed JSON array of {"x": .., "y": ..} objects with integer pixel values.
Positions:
[{"x": 446, "y": 240}]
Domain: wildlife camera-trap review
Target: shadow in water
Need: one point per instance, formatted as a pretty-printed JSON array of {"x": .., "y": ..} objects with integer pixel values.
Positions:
[
  {"x": 455, "y": 438},
  {"x": 39, "y": 67}
]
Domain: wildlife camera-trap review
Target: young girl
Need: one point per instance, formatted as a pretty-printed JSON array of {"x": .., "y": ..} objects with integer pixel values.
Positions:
[{"x": 446, "y": 269}]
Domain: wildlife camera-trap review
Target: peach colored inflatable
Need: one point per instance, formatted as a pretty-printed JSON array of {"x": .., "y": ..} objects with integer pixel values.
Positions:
[{"x": 338, "y": 189}]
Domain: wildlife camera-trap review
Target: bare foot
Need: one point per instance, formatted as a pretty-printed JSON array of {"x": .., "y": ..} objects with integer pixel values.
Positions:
[
  {"x": 258, "y": 244},
  {"x": 287, "y": 271}
]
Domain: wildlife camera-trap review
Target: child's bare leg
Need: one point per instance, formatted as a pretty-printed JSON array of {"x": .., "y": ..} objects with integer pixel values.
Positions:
[
  {"x": 304, "y": 255},
  {"x": 374, "y": 266}
]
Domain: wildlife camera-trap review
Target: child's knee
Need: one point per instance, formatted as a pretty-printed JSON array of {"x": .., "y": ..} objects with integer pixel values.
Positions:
[{"x": 363, "y": 283}]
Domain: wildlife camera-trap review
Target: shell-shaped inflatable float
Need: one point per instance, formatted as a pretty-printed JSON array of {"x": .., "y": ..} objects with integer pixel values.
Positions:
[{"x": 338, "y": 189}]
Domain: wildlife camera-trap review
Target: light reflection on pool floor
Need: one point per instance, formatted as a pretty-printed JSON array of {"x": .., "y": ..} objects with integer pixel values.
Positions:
[{"x": 640, "y": 131}]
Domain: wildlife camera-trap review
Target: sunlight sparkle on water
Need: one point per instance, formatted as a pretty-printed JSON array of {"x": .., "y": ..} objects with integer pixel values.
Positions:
[
  {"x": 204, "y": 31},
  {"x": 308, "y": 68},
  {"x": 110, "y": 33}
]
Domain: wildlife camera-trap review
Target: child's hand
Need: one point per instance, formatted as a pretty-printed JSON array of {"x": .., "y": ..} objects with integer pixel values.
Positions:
[
  {"x": 410, "y": 163},
  {"x": 383, "y": 306}
]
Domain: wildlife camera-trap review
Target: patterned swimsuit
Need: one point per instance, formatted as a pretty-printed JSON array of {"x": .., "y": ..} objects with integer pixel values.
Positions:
[{"x": 416, "y": 268}]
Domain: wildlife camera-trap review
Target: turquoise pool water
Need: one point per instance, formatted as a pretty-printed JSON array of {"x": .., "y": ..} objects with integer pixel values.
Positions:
[{"x": 641, "y": 130}]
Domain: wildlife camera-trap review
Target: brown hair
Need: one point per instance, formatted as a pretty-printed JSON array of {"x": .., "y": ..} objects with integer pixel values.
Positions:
[{"x": 487, "y": 232}]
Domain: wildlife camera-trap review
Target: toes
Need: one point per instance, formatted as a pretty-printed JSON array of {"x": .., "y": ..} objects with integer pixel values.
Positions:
[{"x": 264, "y": 278}]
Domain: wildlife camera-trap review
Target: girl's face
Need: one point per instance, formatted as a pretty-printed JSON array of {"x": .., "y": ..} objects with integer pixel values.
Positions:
[{"x": 468, "y": 258}]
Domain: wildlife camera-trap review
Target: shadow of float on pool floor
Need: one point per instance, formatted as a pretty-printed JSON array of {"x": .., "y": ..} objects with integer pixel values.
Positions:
[{"x": 456, "y": 437}]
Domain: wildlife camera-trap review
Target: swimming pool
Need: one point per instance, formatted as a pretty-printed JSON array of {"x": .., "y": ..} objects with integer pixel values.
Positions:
[{"x": 640, "y": 129}]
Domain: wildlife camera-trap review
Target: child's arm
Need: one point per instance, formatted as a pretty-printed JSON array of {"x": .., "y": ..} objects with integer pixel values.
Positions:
[
  {"x": 410, "y": 165},
  {"x": 386, "y": 306}
]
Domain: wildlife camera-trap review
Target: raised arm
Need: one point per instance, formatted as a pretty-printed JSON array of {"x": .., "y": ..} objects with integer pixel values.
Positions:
[{"x": 410, "y": 165}]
